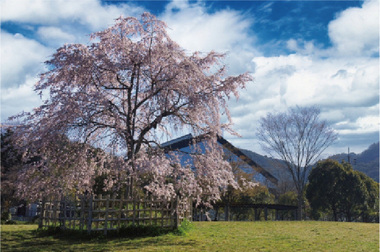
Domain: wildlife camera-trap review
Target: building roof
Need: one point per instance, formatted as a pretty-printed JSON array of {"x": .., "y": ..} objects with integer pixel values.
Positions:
[{"x": 188, "y": 140}]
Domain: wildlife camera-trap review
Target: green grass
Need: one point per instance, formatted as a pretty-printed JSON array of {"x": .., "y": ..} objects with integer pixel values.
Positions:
[{"x": 212, "y": 236}]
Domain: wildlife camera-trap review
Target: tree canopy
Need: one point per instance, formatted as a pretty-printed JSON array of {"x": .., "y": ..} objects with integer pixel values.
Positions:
[
  {"x": 347, "y": 193},
  {"x": 10, "y": 163},
  {"x": 122, "y": 93},
  {"x": 298, "y": 137}
]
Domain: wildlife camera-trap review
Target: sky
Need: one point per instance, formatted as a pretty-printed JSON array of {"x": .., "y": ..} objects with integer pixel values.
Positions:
[{"x": 300, "y": 53}]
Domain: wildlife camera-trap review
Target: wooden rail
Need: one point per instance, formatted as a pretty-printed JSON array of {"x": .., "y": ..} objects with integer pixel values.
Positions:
[{"x": 98, "y": 213}]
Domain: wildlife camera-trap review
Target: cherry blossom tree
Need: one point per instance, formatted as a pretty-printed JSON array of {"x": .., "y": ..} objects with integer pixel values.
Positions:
[{"x": 121, "y": 94}]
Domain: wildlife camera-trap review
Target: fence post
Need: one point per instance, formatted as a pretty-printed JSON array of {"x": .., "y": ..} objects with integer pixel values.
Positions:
[
  {"x": 134, "y": 210},
  {"x": 47, "y": 214},
  {"x": 73, "y": 211},
  {"x": 172, "y": 213},
  {"x": 176, "y": 214},
  {"x": 155, "y": 212},
  {"x": 89, "y": 220},
  {"x": 106, "y": 214},
  {"x": 162, "y": 213},
  {"x": 191, "y": 214},
  {"x": 138, "y": 210},
  {"x": 113, "y": 207},
  {"x": 81, "y": 224},
  {"x": 63, "y": 201},
  {"x": 42, "y": 213},
  {"x": 120, "y": 211},
  {"x": 55, "y": 209}
]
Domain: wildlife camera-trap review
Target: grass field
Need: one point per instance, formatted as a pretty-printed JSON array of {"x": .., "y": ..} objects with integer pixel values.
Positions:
[{"x": 212, "y": 236}]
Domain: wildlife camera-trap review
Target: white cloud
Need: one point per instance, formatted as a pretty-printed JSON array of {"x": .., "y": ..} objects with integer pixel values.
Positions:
[
  {"x": 55, "y": 36},
  {"x": 89, "y": 13},
  {"x": 225, "y": 31},
  {"x": 20, "y": 57},
  {"x": 343, "y": 79},
  {"x": 356, "y": 30},
  {"x": 367, "y": 124},
  {"x": 302, "y": 47},
  {"x": 343, "y": 89},
  {"x": 196, "y": 30},
  {"x": 15, "y": 100},
  {"x": 21, "y": 62},
  {"x": 49, "y": 24}
]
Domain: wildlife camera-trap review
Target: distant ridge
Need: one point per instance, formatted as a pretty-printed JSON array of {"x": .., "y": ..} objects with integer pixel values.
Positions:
[
  {"x": 270, "y": 164},
  {"x": 366, "y": 162}
]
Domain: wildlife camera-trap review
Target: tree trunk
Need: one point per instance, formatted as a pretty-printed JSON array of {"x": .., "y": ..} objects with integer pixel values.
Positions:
[
  {"x": 226, "y": 212},
  {"x": 348, "y": 214},
  {"x": 300, "y": 205},
  {"x": 335, "y": 214}
]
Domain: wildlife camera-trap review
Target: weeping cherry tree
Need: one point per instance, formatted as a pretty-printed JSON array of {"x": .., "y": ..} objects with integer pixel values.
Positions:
[{"x": 111, "y": 102}]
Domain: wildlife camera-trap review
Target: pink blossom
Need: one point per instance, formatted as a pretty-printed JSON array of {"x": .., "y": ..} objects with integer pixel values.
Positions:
[{"x": 106, "y": 103}]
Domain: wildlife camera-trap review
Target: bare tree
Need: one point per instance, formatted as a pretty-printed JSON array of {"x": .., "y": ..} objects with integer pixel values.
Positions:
[{"x": 299, "y": 137}]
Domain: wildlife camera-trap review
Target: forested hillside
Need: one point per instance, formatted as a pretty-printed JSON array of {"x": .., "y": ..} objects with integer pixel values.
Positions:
[
  {"x": 366, "y": 162},
  {"x": 275, "y": 166}
]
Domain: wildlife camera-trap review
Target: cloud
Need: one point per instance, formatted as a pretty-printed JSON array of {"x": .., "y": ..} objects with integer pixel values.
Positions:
[
  {"x": 21, "y": 63},
  {"x": 342, "y": 80},
  {"x": 47, "y": 25},
  {"x": 225, "y": 31},
  {"x": 15, "y": 100},
  {"x": 90, "y": 13},
  {"x": 356, "y": 30},
  {"x": 55, "y": 36},
  {"x": 302, "y": 47},
  {"x": 343, "y": 88},
  {"x": 363, "y": 124},
  {"x": 20, "y": 57},
  {"x": 285, "y": 81},
  {"x": 196, "y": 30}
]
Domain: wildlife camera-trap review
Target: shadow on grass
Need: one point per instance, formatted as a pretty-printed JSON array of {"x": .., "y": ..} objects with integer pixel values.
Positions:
[
  {"x": 23, "y": 241},
  {"x": 166, "y": 242},
  {"x": 130, "y": 232},
  {"x": 131, "y": 237}
]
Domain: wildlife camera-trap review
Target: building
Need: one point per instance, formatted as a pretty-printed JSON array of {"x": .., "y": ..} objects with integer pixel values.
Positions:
[{"x": 185, "y": 144}]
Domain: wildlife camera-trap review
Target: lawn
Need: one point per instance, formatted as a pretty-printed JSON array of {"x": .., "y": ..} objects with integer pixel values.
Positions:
[{"x": 213, "y": 236}]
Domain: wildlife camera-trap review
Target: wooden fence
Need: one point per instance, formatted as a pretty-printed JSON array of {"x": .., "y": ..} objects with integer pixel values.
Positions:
[{"x": 98, "y": 213}]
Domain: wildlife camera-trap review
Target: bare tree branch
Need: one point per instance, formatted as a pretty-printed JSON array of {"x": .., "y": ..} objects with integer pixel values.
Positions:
[{"x": 298, "y": 137}]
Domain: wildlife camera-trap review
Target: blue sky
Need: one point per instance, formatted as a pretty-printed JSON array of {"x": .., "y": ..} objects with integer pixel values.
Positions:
[{"x": 323, "y": 53}]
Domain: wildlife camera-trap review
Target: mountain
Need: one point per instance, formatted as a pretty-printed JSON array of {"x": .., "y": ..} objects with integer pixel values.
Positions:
[
  {"x": 272, "y": 165},
  {"x": 366, "y": 162}
]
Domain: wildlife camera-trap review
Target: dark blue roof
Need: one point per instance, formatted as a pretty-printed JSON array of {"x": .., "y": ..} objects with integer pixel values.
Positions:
[{"x": 187, "y": 140}]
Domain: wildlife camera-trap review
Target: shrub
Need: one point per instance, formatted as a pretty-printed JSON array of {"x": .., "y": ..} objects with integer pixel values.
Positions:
[
  {"x": 185, "y": 227},
  {"x": 5, "y": 216}
]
